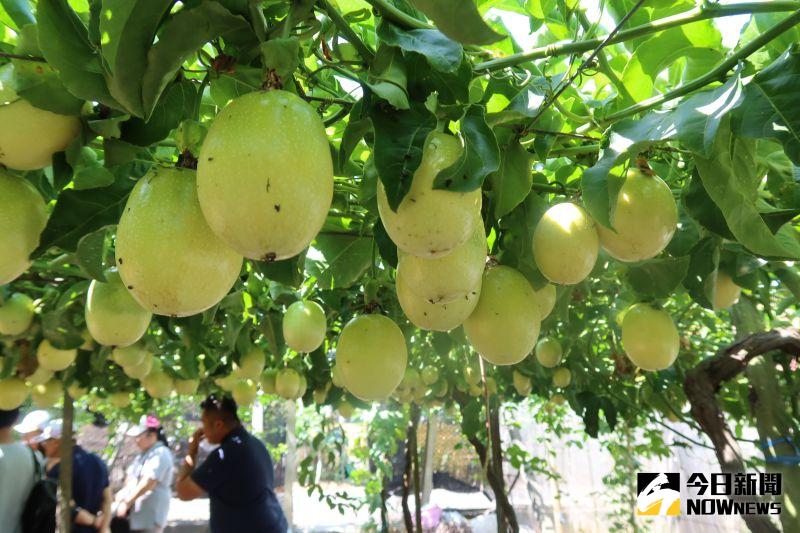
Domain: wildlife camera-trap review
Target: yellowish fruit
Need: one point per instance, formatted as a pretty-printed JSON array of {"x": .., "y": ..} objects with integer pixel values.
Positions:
[
  {"x": 320, "y": 395},
  {"x": 287, "y": 383},
  {"x": 491, "y": 385},
  {"x": 88, "y": 341},
  {"x": 120, "y": 400},
  {"x": 429, "y": 375},
  {"x": 372, "y": 354},
  {"x": 186, "y": 387},
  {"x": 522, "y": 383},
  {"x": 411, "y": 379},
  {"x": 251, "y": 364},
  {"x": 23, "y": 217},
  {"x": 472, "y": 374},
  {"x": 268, "y": 381},
  {"x": 30, "y": 136},
  {"x": 167, "y": 255},
  {"x": 16, "y": 314},
  {"x": 227, "y": 383},
  {"x": 475, "y": 390},
  {"x": 346, "y": 409},
  {"x": 558, "y": 399},
  {"x": 441, "y": 388},
  {"x": 158, "y": 385},
  {"x": 644, "y": 219},
  {"x": 549, "y": 352},
  {"x": 562, "y": 377},
  {"x": 113, "y": 317},
  {"x": 244, "y": 392},
  {"x": 565, "y": 244},
  {"x": 649, "y": 337},
  {"x": 301, "y": 390},
  {"x": 40, "y": 376},
  {"x": 13, "y": 393},
  {"x": 431, "y": 222},
  {"x": 132, "y": 355},
  {"x": 52, "y": 358},
  {"x": 436, "y": 316},
  {"x": 304, "y": 326},
  {"x": 76, "y": 392},
  {"x": 546, "y": 297},
  {"x": 47, "y": 395},
  {"x": 726, "y": 292},
  {"x": 336, "y": 376},
  {"x": 505, "y": 324},
  {"x": 450, "y": 278},
  {"x": 265, "y": 175},
  {"x": 141, "y": 370}
]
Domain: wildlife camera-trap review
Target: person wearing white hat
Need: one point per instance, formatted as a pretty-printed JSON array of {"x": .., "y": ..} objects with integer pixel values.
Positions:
[
  {"x": 147, "y": 492},
  {"x": 91, "y": 494},
  {"x": 32, "y": 426}
]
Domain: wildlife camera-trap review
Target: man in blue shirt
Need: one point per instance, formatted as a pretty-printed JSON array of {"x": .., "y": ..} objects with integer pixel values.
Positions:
[
  {"x": 90, "y": 488},
  {"x": 237, "y": 476}
]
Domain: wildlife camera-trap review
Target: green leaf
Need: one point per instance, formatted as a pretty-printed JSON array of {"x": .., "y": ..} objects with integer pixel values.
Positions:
[
  {"x": 40, "y": 84},
  {"x": 703, "y": 209},
  {"x": 657, "y": 278},
  {"x": 480, "y": 158},
  {"x": 399, "y": 140},
  {"x": 442, "y": 53},
  {"x": 516, "y": 235},
  {"x": 288, "y": 272},
  {"x": 459, "y": 20},
  {"x": 471, "y": 420},
  {"x": 64, "y": 41},
  {"x": 771, "y": 107},
  {"x": 347, "y": 257},
  {"x": 230, "y": 85},
  {"x": 790, "y": 279},
  {"x": 127, "y": 31},
  {"x": 387, "y": 77},
  {"x": 731, "y": 180},
  {"x": 177, "y": 103},
  {"x": 590, "y": 412},
  {"x": 19, "y": 11},
  {"x": 386, "y": 247},
  {"x": 282, "y": 55},
  {"x": 91, "y": 253},
  {"x": 181, "y": 36},
  {"x": 77, "y": 213},
  {"x": 512, "y": 181},
  {"x": 702, "y": 274}
]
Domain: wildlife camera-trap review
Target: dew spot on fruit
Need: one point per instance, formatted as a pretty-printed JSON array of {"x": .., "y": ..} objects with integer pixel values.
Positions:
[
  {"x": 210, "y": 159},
  {"x": 130, "y": 287},
  {"x": 120, "y": 260},
  {"x": 277, "y": 208}
]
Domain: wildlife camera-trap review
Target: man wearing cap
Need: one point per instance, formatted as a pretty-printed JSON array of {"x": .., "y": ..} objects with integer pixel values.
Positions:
[
  {"x": 148, "y": 485},
  {"x": 237, "y": 476},
  {"x": 17, "y": 475},
  {"x": 91, "y": 494},
  {"x": 32, "y": 426}
]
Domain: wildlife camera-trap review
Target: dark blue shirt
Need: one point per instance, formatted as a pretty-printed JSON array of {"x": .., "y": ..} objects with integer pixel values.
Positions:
[
  {"x": 89, "y": 479},
  {"x": 238, "y": 479}
]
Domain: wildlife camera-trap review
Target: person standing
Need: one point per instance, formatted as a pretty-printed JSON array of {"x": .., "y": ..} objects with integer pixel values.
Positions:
[
  {"x": 17, "y": 475},
  {"x": 91, "y": 495},
  {"x": 147, "y": 492},
  {"x": 237, "y": 476},
  {"x": 32, "y": 426}
]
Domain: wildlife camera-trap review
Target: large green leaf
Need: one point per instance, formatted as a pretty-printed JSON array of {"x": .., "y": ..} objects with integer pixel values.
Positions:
[
  {"x": 127, "y": 29},
  {"x": 64, "y": 41},
  {"x": 399, "y": 139},
  {"x": 78, "y": 213},
  {"x": 347, "y": 257},
  {"x": 181, "y": 36},
  {"x": 41, "y": 86},
  {"x": 517, "y": 229},
  {"x": 512, "y": 181},
  {"x": 701, "y": 277},
  {"x": 19, "y": 11},
  {"x": 442, "y": 53},
  {"x": 459, "y": 20},
  {"x": 771, "y": 107},
  {"x": 657, "y": 278},
  {"x": 730, "y": 177},
  {"x": 387, "y": 77},
  {"x": 480, "y": 158},
  {"x": 176, "y": 104}
]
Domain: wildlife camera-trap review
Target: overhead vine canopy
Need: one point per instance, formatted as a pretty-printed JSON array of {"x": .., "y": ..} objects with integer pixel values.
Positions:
[{"x": 669, "y": 146}]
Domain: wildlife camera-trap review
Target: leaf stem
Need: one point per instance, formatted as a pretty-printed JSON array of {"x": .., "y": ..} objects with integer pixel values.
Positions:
[
  {"x": 390, "y": 12},
  {"x": 717, "y": 73},
  {"x": 704, "y": 12},
  {"x": 24, "y": 57},
  {"x": 363, "y": 50}
]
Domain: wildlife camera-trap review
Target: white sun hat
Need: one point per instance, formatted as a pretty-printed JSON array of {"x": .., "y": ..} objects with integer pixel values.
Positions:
[{"x": 33, "y": 421}]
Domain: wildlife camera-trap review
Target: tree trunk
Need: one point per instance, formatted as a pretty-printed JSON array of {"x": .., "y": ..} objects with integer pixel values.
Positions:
[
  {"x": 415, "y": 414},
  {"x": 501, "y": 499},
  {"x": 430, "y": 448},
  {"x": 702, "y": 383},
  {"x": 409, "y": 522},
  {"x": 290, "y": 470},
  {"x": 65, "y": 467}
]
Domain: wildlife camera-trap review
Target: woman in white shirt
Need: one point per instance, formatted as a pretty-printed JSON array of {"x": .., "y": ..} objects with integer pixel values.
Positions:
[
  {"x": 16, "y": 475},
  {"x": 147, "y": 492}
]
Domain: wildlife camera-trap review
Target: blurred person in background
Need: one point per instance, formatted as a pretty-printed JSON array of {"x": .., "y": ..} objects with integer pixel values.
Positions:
[
  {"x": 91, "y": 495},
  {"x": 147, "y": 492},
  {"x": 17, "y": 475},
  {"x": 237, "y": 476},
  {"x": 31, "y": 427}
]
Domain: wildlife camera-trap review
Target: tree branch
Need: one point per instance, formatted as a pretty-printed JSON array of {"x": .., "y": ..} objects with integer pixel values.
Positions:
[
  {"x": 366, "y": 54},
  {"x": 390, "y": 12},
  {"x": 707, "y": 11},
  {"x": 24, "y": 57},
  {"x": 704, "y": 380}
]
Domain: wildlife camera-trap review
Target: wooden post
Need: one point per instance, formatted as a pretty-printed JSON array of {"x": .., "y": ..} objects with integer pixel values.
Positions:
[
  {"x": 415, "y": 412},
  {"x": 65, "y": 467},
  {"x": 430, "y": 448},
  {"x": 290, "y": 470}
]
